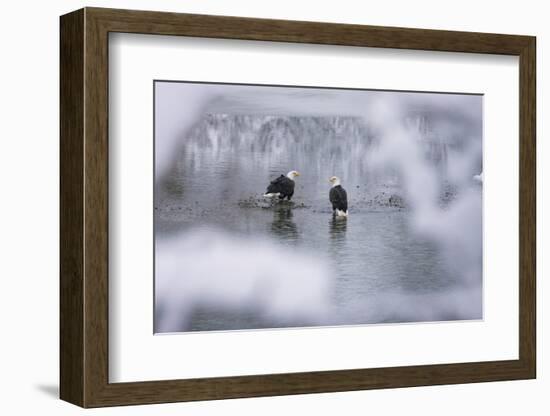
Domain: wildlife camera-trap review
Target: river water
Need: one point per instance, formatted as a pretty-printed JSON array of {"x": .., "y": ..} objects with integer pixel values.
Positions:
[{"x": 379, "y": 268}]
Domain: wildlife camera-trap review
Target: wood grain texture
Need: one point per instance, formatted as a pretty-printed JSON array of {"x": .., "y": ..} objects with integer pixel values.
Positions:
[
  {"x": 162, "y": 23},
  {"x": 96, "y": 208},
  {"x": 71, "y": 100},
  {"x": 528, "y": 207},
  {"x": 84, "y": 207}
]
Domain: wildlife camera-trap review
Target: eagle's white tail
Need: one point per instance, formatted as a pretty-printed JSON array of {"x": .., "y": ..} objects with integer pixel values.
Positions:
[
  {"x": 271, "y": 195},
  {"x": 340, "y": 213}
]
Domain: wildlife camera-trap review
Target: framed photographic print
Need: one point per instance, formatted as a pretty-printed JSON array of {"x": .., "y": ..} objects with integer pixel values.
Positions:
[{"x": 255, "y": 207}]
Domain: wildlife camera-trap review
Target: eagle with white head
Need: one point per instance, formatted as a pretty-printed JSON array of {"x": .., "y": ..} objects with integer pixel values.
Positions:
[
  {"x": 338, "y": 197},
  {"x": 282, "y": 187}
]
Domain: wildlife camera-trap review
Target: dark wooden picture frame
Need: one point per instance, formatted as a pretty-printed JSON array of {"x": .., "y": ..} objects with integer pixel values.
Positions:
[{"x": 84, "y": 207}]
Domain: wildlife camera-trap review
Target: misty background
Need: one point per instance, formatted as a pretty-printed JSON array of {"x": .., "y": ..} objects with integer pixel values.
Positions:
[{"x": 226, "y": 258}]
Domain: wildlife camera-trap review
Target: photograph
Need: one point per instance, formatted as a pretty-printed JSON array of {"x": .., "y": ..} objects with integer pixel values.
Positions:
[{"x": 289, "y": 206}]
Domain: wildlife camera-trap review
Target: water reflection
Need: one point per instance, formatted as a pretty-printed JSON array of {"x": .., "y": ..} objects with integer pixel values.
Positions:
[
  {"x": 337, "y": 228},
  {"x": 283, "y": 224}
]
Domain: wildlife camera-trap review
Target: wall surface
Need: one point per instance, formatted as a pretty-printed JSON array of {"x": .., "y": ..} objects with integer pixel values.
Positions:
[{"x": 29, "y": 209}]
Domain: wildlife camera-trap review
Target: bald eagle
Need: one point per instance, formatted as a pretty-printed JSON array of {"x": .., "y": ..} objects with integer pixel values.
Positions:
[
  {"x": 338, "y": 198},
  {"x": 478, "y": 178},
  {"x": 283, "y": 186}
]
